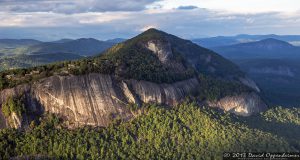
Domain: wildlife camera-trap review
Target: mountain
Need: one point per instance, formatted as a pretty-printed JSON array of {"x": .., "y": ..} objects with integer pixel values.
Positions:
[
  {"x": 267, "y": 48},
  {"x": 292, "y": 39},
  {"x": 131, "y": 64},
  {"x": 83, "y": 47},
  {"x": 154, "y": 67},
  {"x": 154, "y": 96},
  {"x": 243, "y": 38},
  {"x": 268, "y": 44}
]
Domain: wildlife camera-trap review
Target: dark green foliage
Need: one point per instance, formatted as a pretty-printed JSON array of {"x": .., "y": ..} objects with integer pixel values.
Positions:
[
  {"x": 6, "y": 110},
  {"x": 283, "y": 115},
  {"x": 183, "y": 132},
  {"x": 283, "y": 122},
  {"x": 13, "y": 105},
  {"x": 212, "y": 88},
  {"x": 11, "y": 78},
  {"x": 133, "y": 107}
]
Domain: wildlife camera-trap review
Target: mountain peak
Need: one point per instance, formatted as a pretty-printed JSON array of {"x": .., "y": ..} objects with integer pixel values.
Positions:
[
  {"x": 272, "y": 43},
  {"x": 151, "y": 33},
  {"x": 273, "y": 40},
  {"x": 87, "y": 39},
  {"x": 266, "y": 48},
  {"x": 152, "y": 30},
  {"x": 164, "y": 58},
  {"x": 268, "y": 44}
]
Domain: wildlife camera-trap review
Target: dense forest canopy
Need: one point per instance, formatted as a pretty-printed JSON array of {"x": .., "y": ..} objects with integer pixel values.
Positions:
[{"x": 186, "y": 131}]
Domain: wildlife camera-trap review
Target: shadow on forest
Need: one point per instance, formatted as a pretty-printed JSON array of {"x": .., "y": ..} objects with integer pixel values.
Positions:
[{"x": 288, "y": 131}]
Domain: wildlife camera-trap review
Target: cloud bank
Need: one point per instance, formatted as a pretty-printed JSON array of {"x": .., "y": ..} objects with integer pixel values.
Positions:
[
  {"x": 54, "y": 19},
  {"x": 73, "y": 6}
]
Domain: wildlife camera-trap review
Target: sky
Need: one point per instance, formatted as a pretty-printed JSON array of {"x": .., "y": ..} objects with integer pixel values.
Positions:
[{"x": 106, "y": 19}]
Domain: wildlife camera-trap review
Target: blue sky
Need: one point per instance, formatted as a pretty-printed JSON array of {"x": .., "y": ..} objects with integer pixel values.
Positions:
[{"x": 105, "y": 19}]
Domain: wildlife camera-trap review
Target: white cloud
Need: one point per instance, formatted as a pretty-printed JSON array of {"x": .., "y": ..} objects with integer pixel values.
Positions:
[
  {"x": 130, "y": 19},
  {"x": 241, "y": 6},
  {"x": 73, "y": 6},
  {"x": 42, "y": 19}
]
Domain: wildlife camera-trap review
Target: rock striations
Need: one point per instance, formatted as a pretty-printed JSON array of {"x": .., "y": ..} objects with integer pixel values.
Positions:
[{"x": 96, "y": 99}]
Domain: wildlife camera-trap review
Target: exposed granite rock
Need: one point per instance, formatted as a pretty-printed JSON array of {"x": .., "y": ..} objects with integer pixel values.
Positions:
[
  {"x": 161, "y": 49},
  {"x": 84, "y": 100},
  {"x": 94, "y": 99},
  {"x": 131, "y": 97},
  {"x": 16, "y": 91},
  {"x": 245, "y": 104},
  {"x": 13, "y": 121},
  {"x": 169, "y": 94}
]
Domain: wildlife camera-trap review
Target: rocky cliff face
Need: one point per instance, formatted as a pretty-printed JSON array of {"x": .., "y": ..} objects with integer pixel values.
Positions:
[
  {"x": 162, "y": 50},
  {"x": 82, "y": 100},
  {"x": 13, "y": 120},
  {"x": 245, "y": 104},
  {"x": 95, "y": 99}
]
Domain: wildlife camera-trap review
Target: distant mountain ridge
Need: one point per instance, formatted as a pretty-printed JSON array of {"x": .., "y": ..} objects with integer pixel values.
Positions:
[
  {"x": 273, "y": 64},
  {"x": 12, "y": 43},
  {"x": 62, "y": 40},
  {"x": 269, "y": 43},
  {"x": 243, "y": 38},
  {"x": 266, "y": 48},
  {"x": 82, "y": 46},
  {"x": 12, "y": 51},
  {"x": 26, "y": 61}
]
